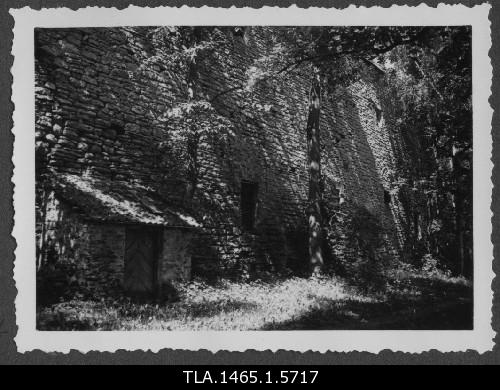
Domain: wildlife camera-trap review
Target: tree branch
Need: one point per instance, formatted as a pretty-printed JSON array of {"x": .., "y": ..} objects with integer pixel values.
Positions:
[{"x": 324, "y": 57}]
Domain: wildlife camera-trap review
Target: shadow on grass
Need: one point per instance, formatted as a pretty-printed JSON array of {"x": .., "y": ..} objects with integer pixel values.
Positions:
[
  {"x": 408, "y": 302},
  {"x": 349, "y": 315},
  {"x": 417, "y": 303}
]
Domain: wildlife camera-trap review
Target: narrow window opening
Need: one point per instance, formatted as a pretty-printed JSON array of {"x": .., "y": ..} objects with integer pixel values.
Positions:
[
  {"x": 378, "y": 112},
  {"x": 249, "y": 192},
  {"x": 387, "y": 197},
  {"x": 239, "y": 32}
]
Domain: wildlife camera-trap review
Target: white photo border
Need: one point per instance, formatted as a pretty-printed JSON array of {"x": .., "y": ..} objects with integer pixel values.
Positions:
[{"x": 28, "y": 338}]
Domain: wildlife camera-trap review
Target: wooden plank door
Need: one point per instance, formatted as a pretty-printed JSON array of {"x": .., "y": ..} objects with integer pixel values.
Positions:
[{"x": 141, "y": 261}]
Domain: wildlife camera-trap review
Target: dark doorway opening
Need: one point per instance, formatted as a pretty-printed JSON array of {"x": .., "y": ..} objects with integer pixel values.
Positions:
[
  {"x": 142, "y": 249},
  {"x": 249, "y": 193}
]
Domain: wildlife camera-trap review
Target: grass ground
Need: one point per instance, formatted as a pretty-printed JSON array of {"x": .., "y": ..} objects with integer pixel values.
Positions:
[{"x": 408, "y": 301}]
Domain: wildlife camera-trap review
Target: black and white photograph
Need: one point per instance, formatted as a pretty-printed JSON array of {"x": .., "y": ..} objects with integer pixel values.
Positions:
[
  {"x": 254, "y": 178},
  {"x": 230, "y": 178}
]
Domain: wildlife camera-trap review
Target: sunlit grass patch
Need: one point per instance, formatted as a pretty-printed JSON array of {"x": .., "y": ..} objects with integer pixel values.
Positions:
[
  {"x": 293, "y": 303},
  {"x": 225, "y": 306}
]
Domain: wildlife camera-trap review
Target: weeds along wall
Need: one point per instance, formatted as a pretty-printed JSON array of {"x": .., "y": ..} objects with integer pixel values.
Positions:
[{"x": 104, "y": 111}]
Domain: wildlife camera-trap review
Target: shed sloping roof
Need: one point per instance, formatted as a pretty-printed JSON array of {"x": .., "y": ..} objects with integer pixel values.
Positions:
[{"x": 118, "y": 202}]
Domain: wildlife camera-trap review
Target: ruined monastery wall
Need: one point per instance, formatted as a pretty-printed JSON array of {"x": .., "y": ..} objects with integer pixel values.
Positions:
[{"x": 101, "y": 113}]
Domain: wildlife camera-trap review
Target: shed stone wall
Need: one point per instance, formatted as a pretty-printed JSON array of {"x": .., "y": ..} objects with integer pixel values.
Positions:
[{"x": 90, "y": 257}]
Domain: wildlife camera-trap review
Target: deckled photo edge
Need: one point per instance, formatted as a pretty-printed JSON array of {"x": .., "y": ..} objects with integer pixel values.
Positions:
[{"x": 481, "y": 339}]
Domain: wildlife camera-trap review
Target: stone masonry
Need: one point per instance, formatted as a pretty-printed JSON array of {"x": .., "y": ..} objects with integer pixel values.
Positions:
[{"x": 100, "y": 114}]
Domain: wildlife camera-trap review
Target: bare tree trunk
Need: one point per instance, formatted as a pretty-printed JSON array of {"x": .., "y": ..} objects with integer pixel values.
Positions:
[
  {"x": 194, "y": 137},
  {"x": 460, "y": 228},
  {"x": 461, "y": 249},
  {"x": 192, "y": 167},
  {"x": 41, "y": 258},
  {"x": 314, "y": 160},
  {"x": 459, "y": 210}
]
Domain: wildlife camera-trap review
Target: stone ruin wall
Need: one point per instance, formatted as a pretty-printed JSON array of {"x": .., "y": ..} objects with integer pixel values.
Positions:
[{"x": 101, "y": 112}]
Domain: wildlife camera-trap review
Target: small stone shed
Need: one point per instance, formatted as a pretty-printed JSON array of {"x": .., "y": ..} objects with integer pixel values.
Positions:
[{"x": 120, "y": 237}]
